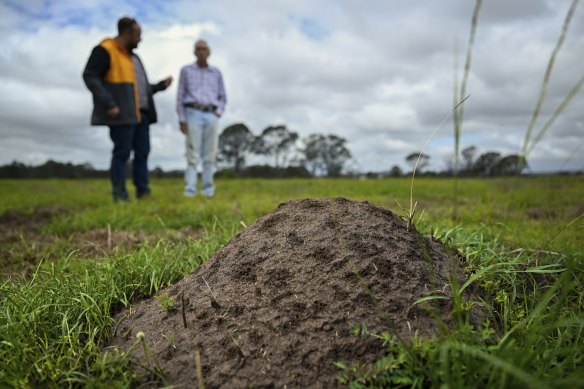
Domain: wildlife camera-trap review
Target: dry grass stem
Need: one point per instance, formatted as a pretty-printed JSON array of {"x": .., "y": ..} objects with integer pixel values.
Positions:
[
  {"x": 426, "y": 143},
  {"x": 547, "y": 76},
  {"x": 185, "y": 303},
  {"x": 199, "y": 367},
  {"x": 214, "y": 301}
]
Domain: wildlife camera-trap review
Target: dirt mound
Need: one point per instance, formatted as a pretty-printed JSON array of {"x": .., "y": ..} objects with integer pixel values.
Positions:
[{"x": 275, "y": 306}]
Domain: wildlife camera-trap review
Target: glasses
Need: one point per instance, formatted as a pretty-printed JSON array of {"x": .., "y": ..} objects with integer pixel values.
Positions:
[{"x": 201, "y": 48}]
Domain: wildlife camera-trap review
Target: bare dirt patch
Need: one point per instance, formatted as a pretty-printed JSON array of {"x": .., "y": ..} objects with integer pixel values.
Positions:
[
  {"x": 15, "y": 223},
  {"x": 23, "y": 243},
  {"x": 567, "y": 212},
  {"x": 103, "y": 241},
  {"x": 275, "y": 306}
]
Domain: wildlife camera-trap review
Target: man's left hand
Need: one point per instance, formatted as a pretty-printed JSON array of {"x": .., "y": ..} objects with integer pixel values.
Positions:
[{"x": 167, "y": 81}]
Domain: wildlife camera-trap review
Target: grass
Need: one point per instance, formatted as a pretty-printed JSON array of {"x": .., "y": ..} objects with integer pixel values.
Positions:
[
  {"x": 522, "y": 241},
  {"x": 528, "y": 143},
  {"x": 532, "y": 336}
]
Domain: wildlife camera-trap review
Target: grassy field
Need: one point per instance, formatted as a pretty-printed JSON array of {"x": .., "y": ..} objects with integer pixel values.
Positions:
[{"x": 522, "y": 238}]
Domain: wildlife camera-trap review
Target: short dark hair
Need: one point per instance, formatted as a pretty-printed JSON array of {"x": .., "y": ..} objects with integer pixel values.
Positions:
[{"x": 126, "y": 23}]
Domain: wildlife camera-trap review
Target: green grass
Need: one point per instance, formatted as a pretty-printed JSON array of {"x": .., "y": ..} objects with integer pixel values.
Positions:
[{"x": 521, "y": 237}]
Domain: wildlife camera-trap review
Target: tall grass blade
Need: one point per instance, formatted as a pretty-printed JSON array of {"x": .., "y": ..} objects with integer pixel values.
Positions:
[
  {"x": 471, "y": 39},
  {"x": 576, "y": 150},
  {"x": 457, "y": 129},
  {"x": 546, "y": 78},
  {"x": 459, "y": 115},
  {"x": 424, "y": 148},
  {"x": 555, "y": 115}
]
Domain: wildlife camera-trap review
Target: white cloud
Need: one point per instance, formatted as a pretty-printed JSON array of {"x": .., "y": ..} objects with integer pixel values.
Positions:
[{"x": 379, "y": 74}]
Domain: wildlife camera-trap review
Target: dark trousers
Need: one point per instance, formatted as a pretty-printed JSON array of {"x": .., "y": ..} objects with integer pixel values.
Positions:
[{"x": 128, "y": 138}]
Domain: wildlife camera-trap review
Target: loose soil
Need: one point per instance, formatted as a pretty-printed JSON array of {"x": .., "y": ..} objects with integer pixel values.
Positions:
[
  {"x": 96, "y": 243},
  {"x": 275, "y": 306}
]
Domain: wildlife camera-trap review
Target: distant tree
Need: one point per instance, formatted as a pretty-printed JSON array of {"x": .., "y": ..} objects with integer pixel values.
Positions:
[
  {"x": 235, "y": 142},
  {"x": 395, "y": 171},
  {"x": 509, "y": 165},
  {"x": 422, "y": 164},
  {"x": 268, "y": 171},
  {"x": 157, "y": 172},
  {"x": 325, "y": 154},
  {"x": 50, "y": 169},
  {"x": 468, "y": 158},
  {"x": 15, "y": 170},
  {"x": 278, "y": 142},
  {"x": 448, "y": 165},
  {"x": 485, "y": 163}
]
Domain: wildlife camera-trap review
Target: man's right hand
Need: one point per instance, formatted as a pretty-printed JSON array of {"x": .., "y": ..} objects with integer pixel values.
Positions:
[
  {"x": 184, "y": 128},
  {"x": 113, "y": 112}
]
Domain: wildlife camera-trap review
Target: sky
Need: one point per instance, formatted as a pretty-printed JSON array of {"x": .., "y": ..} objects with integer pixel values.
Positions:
[{"x": 378, "y": 73}]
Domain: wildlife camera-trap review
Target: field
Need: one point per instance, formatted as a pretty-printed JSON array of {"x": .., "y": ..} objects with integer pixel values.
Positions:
[{"x": 71, "y": 259}]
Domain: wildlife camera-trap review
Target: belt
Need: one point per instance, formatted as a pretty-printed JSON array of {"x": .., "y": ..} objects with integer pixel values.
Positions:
[{"x": 201, "y": 107}]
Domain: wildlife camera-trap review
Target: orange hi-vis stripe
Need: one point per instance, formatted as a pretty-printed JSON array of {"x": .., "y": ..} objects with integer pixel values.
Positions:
[{"x": 121, "y": 69}]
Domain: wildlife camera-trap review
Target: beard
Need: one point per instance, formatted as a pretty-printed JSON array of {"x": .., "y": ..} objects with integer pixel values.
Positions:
[{"x": 132, "y": 46}]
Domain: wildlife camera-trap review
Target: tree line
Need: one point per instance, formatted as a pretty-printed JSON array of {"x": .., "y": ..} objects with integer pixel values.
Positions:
[
  {"x": 283, "y": 150},
  {"x": 279, "y": 152},
  {"x": 470, "y": 164}
]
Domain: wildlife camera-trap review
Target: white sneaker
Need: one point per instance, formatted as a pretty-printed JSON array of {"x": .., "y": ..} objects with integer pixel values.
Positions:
[{"x": 190, "y": 193}]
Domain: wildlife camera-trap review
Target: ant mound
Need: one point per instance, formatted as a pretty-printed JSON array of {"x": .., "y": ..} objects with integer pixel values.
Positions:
[{"x": 275, "y": 306}]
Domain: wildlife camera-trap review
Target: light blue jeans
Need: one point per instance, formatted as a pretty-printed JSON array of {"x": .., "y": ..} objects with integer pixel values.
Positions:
[{"x": 201, "y": 141}]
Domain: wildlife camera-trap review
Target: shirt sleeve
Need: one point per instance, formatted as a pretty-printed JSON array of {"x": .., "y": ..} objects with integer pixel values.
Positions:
[
  {"x": 94, "y": 73},
  {"x": 180, "y": 95},
  {"x": 221, "y": 95}
]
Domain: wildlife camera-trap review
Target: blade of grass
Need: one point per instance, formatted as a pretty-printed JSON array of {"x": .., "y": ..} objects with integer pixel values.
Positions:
[
  {"x": 424, "y": 148},
  {"x": 576, "y": 150},
  {"x": 547, "y": 76},
  {"x": 459, "y": 115},
  {"x": 555, "y": 115},
  {"x": 497, "y": 362}
]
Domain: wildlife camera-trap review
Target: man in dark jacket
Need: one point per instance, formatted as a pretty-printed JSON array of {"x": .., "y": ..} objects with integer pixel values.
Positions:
[{"x": 122, "y": 100}]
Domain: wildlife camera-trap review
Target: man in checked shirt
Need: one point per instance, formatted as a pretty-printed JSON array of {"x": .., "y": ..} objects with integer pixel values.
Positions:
[{"x": 200, "y": 103}]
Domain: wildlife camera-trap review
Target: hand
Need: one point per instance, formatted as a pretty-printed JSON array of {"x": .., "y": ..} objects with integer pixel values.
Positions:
[
  {"x": 184, "y": 128},
  {"x": 113, "y": 112},
  {"x": 167, "y": 81}
]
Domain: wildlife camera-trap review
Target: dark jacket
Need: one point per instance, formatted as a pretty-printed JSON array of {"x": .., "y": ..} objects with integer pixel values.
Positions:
[{"x": 109, "y": 75}]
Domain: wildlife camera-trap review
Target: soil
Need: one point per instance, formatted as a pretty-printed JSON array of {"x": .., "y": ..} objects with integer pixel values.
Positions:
[
  {"x": 24, "y": 243},
  {"x": 22, "y": 240},
  {"x": 95, "y": 243},
  {"x": 275, "y": 306}
]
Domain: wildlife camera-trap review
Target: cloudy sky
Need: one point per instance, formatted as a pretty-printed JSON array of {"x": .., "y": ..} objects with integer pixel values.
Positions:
[{"x": 376, "y": 72}]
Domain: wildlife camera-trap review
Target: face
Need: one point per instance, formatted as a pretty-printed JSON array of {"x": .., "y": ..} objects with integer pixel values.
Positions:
[
  {"x": 202, "y": 51},
  {"x": 135, "y": 36}
]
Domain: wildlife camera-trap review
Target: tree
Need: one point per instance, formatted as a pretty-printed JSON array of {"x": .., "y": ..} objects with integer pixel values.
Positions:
[
  {"x": 423, "y": 163},
  {"x": 326, "y": 154},
  {"x": 509, "y": 165},
  {"x": 484, "y": 164},
  {"x": 468, "y": 158},
  {"x": 235, "y": 142},
  {"x": 276, "y": 141},
  {"x": 395, "y": 171}
]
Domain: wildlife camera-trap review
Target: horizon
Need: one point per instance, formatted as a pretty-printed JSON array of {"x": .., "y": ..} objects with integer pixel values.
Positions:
[{"x": 377, "y": 74}]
